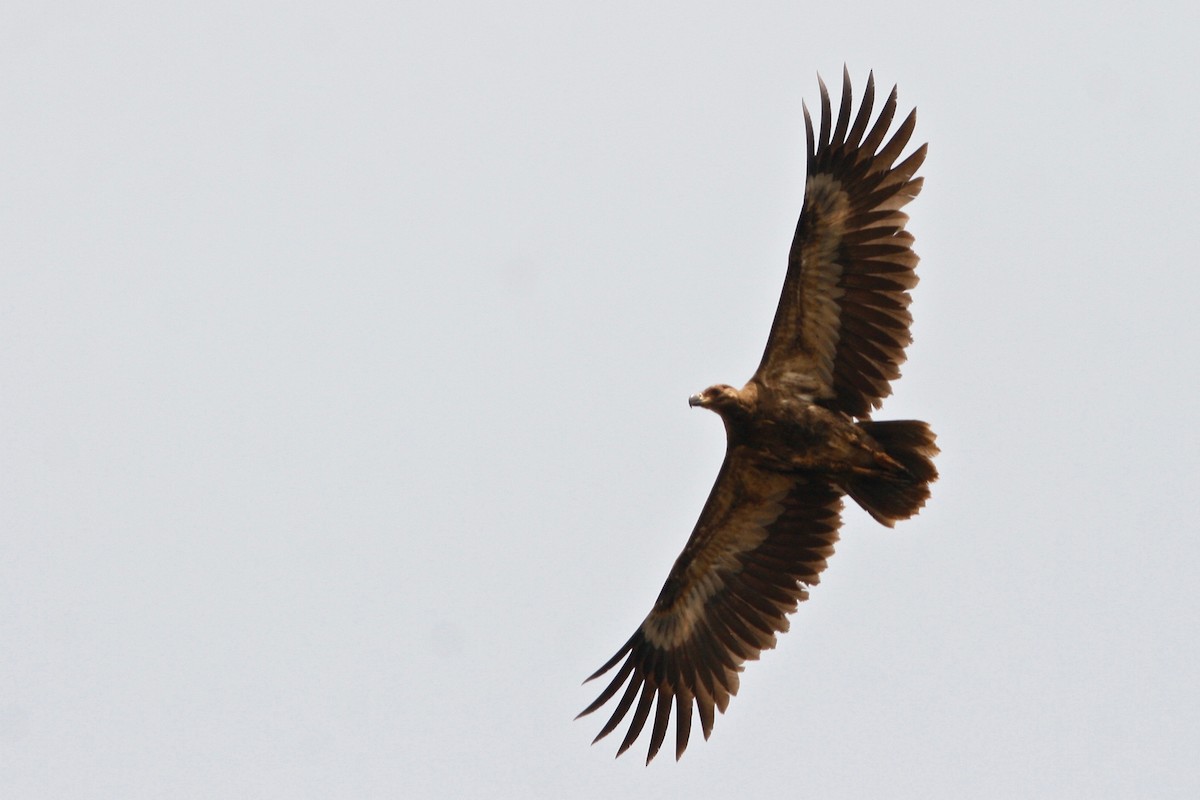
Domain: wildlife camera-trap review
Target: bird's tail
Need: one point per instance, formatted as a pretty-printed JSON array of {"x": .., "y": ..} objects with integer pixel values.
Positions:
[{"x": 897, "y": 494}]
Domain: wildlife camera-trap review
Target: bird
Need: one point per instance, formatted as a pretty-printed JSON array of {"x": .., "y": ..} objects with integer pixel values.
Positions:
[{"x": 799, "y": 433}]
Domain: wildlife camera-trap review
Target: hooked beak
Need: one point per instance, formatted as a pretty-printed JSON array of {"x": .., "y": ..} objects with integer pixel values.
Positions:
[{"x": 694, "y": 401}]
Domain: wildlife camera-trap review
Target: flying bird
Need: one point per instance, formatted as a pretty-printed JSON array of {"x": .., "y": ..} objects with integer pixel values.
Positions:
[{"x": 799, "y": 434}]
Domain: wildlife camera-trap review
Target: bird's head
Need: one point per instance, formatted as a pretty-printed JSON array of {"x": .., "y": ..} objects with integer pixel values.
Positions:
[{"x": 721, "y": 398}]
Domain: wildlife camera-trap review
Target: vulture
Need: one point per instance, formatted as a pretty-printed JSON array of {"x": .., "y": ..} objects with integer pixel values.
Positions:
[{"x": 799, "y": 434}]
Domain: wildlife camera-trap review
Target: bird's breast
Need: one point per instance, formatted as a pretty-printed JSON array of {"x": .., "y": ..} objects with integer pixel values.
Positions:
[{"x": 797, "y": 435}]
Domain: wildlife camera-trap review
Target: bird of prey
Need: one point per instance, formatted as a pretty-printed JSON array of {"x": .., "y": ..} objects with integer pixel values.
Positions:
[{"x": 799, "y": 434}]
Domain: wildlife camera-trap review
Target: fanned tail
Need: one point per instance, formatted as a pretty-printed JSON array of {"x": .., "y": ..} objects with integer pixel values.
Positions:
[{"x": 897, "y": 495}]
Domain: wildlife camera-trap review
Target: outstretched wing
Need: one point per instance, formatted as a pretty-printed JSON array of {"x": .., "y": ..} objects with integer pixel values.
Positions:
[
  {"x": 760, "y": 536},
  {"x": 843, "y": 322}
]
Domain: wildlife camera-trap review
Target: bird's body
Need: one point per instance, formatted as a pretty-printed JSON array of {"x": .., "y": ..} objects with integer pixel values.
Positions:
[
  {"x": 799, "y": 435},
  {"x": 789, "y": 433}
]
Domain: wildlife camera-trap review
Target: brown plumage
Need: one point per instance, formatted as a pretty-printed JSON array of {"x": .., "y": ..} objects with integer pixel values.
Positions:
[{"x": 798, "y": 433}]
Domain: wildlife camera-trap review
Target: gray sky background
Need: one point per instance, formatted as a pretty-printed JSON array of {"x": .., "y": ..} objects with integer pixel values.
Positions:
[{"x": 344, "y": 357}]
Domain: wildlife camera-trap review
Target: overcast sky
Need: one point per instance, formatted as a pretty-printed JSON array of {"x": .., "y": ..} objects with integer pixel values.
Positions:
[{"x": 344, "y": 359}]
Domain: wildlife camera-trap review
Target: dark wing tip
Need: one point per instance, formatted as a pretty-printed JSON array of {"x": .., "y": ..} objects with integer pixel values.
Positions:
[
  {"x": 884, "y": 121},
  {"x": 808, "y": 132},
  {"x": 683, "y": 722},
  {"x": 639, "y": 717},
  {"x": 864, "y": 113},
  {"x": 843, "y": 120},
  {"x": 823, "y": 140},
  {"x": 612, "y": 662}
]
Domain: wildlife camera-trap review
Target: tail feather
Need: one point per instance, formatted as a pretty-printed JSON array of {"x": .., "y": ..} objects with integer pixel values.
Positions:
[{"x": 900, "y": 494}]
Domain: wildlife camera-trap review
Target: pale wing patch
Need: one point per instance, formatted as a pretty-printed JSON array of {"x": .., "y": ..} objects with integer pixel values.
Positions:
[
  {"x": 818, "y": 291},
  {"x": 737, "y": 532}
]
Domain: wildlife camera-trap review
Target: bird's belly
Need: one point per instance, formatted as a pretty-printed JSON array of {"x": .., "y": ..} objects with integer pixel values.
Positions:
[{"x": 820, "y": 442}]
